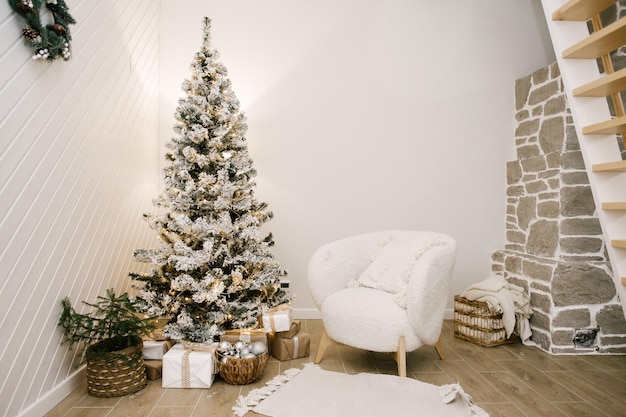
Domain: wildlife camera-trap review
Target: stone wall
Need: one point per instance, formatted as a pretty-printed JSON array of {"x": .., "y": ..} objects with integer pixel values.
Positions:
[{"x": 554, "y": 245}]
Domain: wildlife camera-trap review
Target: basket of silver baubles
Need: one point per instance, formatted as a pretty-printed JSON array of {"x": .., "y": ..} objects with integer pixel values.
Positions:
[{"x": 241, "y": 363}]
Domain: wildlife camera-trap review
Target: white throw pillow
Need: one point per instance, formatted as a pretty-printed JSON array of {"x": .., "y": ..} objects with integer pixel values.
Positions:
[{"x": 392, "y": 264}]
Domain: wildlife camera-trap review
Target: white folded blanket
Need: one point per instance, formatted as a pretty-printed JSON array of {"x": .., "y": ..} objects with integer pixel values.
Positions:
[{"x": 508, "y": 299}]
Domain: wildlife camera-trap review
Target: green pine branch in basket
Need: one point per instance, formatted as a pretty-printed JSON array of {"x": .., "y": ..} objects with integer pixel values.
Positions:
[{"x": 113, "y": 324}]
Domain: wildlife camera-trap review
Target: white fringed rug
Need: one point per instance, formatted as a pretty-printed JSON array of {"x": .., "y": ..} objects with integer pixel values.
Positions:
[{"x": 313, "y": 392}]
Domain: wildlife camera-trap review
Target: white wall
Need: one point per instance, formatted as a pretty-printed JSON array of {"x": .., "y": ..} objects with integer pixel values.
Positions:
[
  {"x": 370, "y": 115},
  {"x": 78, "y": 166}
]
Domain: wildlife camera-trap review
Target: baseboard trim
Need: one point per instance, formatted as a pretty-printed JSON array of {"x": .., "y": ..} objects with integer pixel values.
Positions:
[
  {"x": 307, "y": 314},
  {"x": 54, "y": 397}
]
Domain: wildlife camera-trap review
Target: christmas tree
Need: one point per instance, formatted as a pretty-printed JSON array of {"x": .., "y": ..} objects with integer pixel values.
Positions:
[{"x": 212, "y": 269}]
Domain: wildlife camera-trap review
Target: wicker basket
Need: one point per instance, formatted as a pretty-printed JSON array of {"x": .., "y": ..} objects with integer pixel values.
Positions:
[
  {"x": 122, "y": 375},
  {"x": 476, "y": 323},
  {"x": 241, "y": 371}
]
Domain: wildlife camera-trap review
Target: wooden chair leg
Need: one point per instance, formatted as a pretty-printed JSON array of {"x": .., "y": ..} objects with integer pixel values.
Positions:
[
  {"x": 325, "y": 341},
  {"x": 439, "y": 349},
  {"x": 401, "y": 357}
]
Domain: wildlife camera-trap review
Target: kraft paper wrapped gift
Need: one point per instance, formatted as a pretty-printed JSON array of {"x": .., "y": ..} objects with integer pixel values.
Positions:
[
  {"x": 277, "y": 319},
  {"x": 293, "y": 330},
  {"x": 154, "y": 369},
  {"x": 287, "y": 349},
  {"x": 189, "y": 365},
  {"x": 155, "y": 349},
  {"x": 246, "y": 336}
]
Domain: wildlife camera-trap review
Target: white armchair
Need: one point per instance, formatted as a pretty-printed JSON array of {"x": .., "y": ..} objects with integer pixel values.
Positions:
[{"x": 384, "y": 291}]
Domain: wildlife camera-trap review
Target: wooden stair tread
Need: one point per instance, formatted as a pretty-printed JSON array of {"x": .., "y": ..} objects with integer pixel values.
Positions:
[
  {"x": 619, "y": 243},
  {"x": 623, "y": 280},
  {"x": 618, "y": 166},
  {"x": 608, "y": 127},
  {"x": 604, "y": 86},
  {"x": 614, "y": 205},
  {"x": 581, "y": 10},
  {"x": 599, "y": 43}
]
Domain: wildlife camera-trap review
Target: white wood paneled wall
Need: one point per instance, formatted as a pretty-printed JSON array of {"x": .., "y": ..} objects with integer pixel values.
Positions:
[{"x": 79, "y": 164}]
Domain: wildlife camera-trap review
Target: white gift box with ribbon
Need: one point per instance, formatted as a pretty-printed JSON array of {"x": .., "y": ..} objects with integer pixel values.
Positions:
[
  {"x": 189, "y": 365},
  {"x": 277, "y": 319},
  {"x": 155, "y": 349}
]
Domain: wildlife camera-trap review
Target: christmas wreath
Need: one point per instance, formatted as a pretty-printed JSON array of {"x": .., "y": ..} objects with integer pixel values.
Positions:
[{"x": 51, "y": 41}]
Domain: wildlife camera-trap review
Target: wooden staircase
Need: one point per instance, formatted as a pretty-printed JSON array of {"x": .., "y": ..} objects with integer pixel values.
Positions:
[{"x": 587, "y": 91}]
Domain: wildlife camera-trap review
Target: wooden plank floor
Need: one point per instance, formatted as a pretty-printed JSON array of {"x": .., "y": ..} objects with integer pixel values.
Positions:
[{"x": 512, "y": 380}]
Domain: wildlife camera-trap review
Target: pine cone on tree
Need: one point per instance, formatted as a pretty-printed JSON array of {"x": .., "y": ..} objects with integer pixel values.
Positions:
[{"x": 30, "y": 34}]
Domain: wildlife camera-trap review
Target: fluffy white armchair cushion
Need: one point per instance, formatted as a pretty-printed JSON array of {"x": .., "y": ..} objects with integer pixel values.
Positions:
[
  {"x": 370, "y": 318},
  {"x": 367, "y": 319}
]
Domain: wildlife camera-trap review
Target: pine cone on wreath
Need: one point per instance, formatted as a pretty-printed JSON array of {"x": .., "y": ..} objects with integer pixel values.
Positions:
[
  {"x": 24, "y": 8},
  {"x": 30, "y": 34},
  {"x": 59, "y": 29}
]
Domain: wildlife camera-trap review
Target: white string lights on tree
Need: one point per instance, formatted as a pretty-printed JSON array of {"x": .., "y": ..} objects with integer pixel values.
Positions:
[{"x": 50, "y": 41}]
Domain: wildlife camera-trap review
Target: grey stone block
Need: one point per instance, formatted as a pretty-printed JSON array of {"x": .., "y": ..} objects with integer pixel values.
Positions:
[
  {"x": 581, "y": 245},
  {"x": 539, "y": 320},
  {"x": 541, "y": 302},
  {"x": 543, "y": 93},
  {"x": 581, "y": 226},
  {"x": 577, "y": 201},
  {"x": 575, "y": 178},
  {"x": 513, "y": 264},
  {"x": 572, "y": 160},
  {"x": 526, "y": 211},
  {"x": 537, "y": 270},
  {"x": 611, "y": 319},
  {"x": 527, "y": 128},
  {"x": 513, "y": 172},
  {"x": 574, "y": 318},
  {"x": 536, "y": 187},
  {"x": 548, "y": 209},
  {"x": 562, "y": 338},
  {"x": 522, "y": 88},
  {"x": 555, "y": 105},
  {"x": 581, "y": 283},
  {"x": 551, "y": 135},
  {"x": 515, "y": 190},
  {"x": 542, "y": 339},
  {"x": 535, "y": 164},
  {"x": 528, "y": 151},
  {"x": 541, "y": 75},
  {"x": 543, "y": 238}
]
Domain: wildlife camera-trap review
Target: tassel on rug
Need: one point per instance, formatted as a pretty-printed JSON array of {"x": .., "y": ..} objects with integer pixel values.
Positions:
[
  {"x": 255, "y": 396},
  {"x": 451, "y": 392}
]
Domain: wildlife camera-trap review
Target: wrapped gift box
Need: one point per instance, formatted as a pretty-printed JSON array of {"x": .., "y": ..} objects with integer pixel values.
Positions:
[
  {"x": 293, "y": 330},
  {"x": 286, "y": 349},
  {"x": 278, "y": 319},
  {"x": 155, "y": 349},
  {"x": 197, "y": 358},
  {"x": 154, "y": 369},
  {"x": 246, "y": 336}
]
